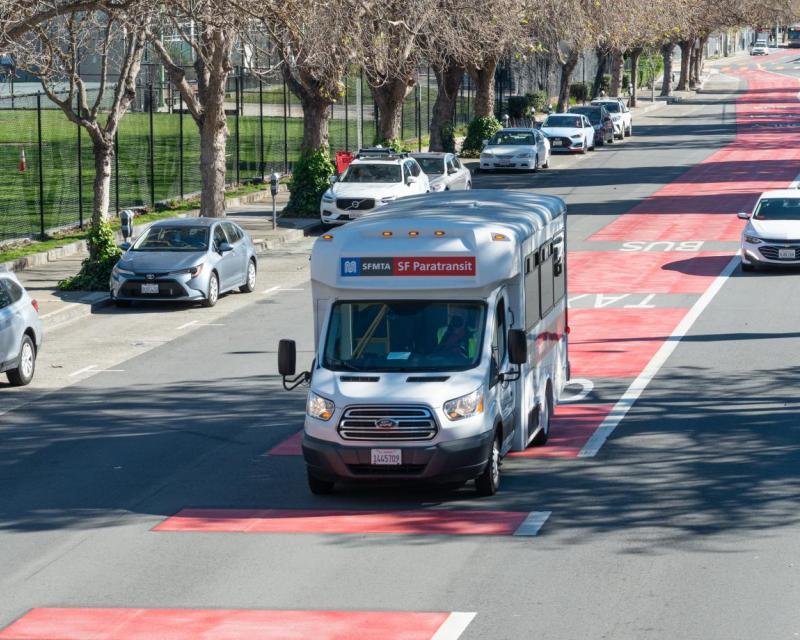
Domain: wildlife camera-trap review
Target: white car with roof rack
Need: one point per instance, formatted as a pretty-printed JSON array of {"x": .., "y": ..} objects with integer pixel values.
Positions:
[{"x": 374, "y": 178}]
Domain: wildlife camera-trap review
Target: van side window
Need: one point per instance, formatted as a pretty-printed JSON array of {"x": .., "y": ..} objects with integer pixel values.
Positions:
[
  {"x": 559, "y": 270},
  {"x": 546, "y": 299},
  {"x": 499, "y": 336},
  {"x": 531, "y": 290}
]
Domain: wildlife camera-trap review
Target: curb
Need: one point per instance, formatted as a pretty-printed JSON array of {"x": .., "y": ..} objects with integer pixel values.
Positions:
[{"x": 92, "y": 302}]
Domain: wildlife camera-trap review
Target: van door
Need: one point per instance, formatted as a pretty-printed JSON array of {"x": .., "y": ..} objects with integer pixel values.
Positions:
[{"x": 504, "y": 390}]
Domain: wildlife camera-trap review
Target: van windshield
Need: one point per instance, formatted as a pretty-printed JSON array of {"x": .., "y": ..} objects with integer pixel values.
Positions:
[{"x": 404, "y": 336}]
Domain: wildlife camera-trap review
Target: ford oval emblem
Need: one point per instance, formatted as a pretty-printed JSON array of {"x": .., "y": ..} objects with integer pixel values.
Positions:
[
  {"x": 151, "y": 276},
  {"x": 386, "y": 423}
]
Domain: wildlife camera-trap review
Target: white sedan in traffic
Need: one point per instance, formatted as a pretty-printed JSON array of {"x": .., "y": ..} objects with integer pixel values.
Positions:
[
  {"x": 526, "y": 149},
  {"x": 772, "y": 233},
  {"x": 569, "y": 132}
]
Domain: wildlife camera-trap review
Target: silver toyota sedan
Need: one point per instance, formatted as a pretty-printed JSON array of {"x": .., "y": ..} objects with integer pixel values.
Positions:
[
  {"x": 20, "y": 331},
  {"x": 185, "y": 259}
]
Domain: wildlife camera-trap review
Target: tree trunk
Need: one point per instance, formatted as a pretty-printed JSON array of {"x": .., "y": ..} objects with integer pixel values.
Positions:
[
  {"x": 617, "y": 72},
  {"x": 389, "y": 97},
  {"x": 103, "y": 150},
  {"x": 316, "y": 115},
  {"x": 634, "y": 56},
  {"x": 598, "y": 76},
  {"x": 666, "y": 84},
  {"x": 699, "y": 59},
  {"x": 483, "y": 79},
  {"x": 566, "y": 74},
  {"x": 448, "y": 79},
  {"x": 686, "y": 57},
  {"x": 213, "y": 137}
]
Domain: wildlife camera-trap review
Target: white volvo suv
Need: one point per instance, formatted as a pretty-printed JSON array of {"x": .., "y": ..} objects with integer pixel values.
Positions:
[
  {"x": 375, "y": 178},
  {"x": 772, "y": 233}
]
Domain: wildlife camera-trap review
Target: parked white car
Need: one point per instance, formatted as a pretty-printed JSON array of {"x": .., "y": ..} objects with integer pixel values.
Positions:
[
  {"x": 20, "y": 331},
  {"x": 569, "y": 132},
  {"x": 620, "y": 115},
  {"x": 772, "y": 233},
  {"x": 444, "y": 170},
  {"x": 759, "y": 48},
  {"x": 373, "y": 179},
  {"x": 526, "y": 149}
]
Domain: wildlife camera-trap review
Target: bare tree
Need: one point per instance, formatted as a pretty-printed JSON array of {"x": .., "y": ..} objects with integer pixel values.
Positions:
[{"x": 52, "y": 50}]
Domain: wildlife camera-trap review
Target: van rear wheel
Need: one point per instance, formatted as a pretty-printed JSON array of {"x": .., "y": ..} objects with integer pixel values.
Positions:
[
  {"x": 488, "y": 482},
  {"x": 545, "y": 414}
]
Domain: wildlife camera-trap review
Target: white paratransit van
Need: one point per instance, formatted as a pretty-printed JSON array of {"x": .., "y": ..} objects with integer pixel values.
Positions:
[{"x": 440, "y": 339}]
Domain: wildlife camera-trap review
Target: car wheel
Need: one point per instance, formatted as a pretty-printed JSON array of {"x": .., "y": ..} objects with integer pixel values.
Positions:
[
  {"x": 23, "y": 374},
  {"x": 488, "y": 482},
  {"x": 250, "y": 282},
  {"x": 629, "y": 131},
  {"x": 611, "y": 138},
  {"x": 212, "y": 295},
  {"x": 469, "y": 186},
  {"x": 546, "y": 413},
  {"x": 546, "y": 164},
  {"x": 318, "y": 486}
]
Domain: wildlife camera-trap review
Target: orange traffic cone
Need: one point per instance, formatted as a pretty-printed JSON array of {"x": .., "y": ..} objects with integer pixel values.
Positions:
[{"x": 23, "y": 164}]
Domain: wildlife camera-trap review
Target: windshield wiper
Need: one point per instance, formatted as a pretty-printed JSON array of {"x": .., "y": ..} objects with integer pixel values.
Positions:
[{"x": 344, "y": 364}]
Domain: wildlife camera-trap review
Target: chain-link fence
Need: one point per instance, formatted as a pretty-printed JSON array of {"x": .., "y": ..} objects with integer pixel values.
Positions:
[{"x": 158, "y": 145}]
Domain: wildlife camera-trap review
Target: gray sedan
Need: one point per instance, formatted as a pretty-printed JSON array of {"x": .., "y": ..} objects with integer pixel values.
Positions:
[
  {"x": 444, "y": 170},
  {"x": 20, "y": 331},
  {"x": 192, "y": 259}
]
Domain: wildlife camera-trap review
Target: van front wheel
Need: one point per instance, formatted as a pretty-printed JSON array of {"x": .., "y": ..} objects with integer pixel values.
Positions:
[
  {"x": 318, "y": 486},
  {"x": 545, "y": 415},
  {"x": 488, "y": 482}
]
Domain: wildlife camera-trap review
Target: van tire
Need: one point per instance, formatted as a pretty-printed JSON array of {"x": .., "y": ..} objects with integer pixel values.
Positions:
[
  {"x": 318, "y": 486},
  {"x": 543, "y": 434},
  {"x": 488, "y": 482}
]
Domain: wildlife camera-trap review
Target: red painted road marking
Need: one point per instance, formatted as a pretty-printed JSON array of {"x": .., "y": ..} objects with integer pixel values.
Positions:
[
  {"x": 418, "y": 522},
  {"x": 617, "y": 343},
  {"x": 572, "y": 427},
  {"x": 672, "y": 226},
  {"x": 227, "y": 624},
  {"x": 646, "y": 272},
  {"x": 289, "y": 447}
]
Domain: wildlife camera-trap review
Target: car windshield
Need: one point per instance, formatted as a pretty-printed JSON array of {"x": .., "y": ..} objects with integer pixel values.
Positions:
[
  {"x": 512, "y": 138},
  {"x": 372, "y": 173},
  {"x": 431, "y": 166},
  {"x": 592, "y": 114},
  {"x": 404, "y": 336},
  {"x": 778, "y": 209},
  {"x": 612, "y": 107},
  {"x": 165, "y": 238},
  {"x": 570, "y": 122}
]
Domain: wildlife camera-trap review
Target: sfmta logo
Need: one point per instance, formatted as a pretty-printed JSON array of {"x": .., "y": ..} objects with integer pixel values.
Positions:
[{"x": 350, "y": 267}]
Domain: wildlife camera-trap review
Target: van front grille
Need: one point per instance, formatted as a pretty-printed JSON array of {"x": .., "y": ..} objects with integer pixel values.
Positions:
[{"x": 390, "y": 423}]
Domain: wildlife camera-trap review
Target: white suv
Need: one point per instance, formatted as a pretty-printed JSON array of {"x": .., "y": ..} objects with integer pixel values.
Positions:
[
  {"x": 375, "y": 178},
  {"x": 620, "y": 115}
]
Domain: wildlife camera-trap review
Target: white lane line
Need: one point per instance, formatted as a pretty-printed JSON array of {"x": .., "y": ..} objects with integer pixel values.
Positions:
[
  {"x": 188, "y": 324},
  {"x": 271, "y": 289},
  {"x": 586, "y": 385},
  {"x": 454, "y": 626},
  {"x": 633, "y": 392},
  {"x": 532, "y": 523},
  {"x": 84, "y": 370},
  {"x": 286, "y": 289}
]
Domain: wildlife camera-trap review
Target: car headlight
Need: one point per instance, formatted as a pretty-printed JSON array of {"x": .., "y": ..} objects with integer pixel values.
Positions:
[
  {"x": 577, "y": 136},
  {"x": 119, "y": 271},
  {"x": 328, "y": 196},
  {"x": 616, "y": 117},
  {"x": 487, "y": 155},
  {"x": 752, "y": 239},
  {"x": 318, "y": 407},
  {"x": 192, "y": 271},
  {"x": 525, "y": 155},
  {"x": 437, "y": 187},
  {"x": 388, "y": 198},
  {"x": 465, "y": 406}
]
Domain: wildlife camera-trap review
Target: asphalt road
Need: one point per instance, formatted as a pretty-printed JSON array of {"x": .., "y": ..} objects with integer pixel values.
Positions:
[{"x": 685, "y": 525}]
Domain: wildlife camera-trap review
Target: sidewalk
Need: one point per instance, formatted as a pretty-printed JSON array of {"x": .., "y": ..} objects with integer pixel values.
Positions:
[{"x": 59, "y": 307}]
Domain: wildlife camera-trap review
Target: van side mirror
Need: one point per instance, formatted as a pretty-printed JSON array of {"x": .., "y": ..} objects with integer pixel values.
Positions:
[
  {"x": 517, "y": 346},
  {"x": 743, "y": 215},
  {"x": 287, "y": 357}
]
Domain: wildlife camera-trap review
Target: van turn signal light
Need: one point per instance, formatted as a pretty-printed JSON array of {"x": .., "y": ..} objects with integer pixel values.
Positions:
[
  {"x": 413, "y": 234},
  {"x": 386, "y": 234}
]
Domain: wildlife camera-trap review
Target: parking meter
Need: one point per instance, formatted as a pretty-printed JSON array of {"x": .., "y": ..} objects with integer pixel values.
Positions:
[
  {"x": 505, "y": 120},
  {"x": 126, "y": 223},
  {"x": 273, "y": 188}
]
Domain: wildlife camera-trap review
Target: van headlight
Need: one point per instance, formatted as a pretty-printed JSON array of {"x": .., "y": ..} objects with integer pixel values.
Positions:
[
  {"x": 752, "y": 239},
  {"x": 318, "y": 407},
  {"x": 465, "y": 406}
]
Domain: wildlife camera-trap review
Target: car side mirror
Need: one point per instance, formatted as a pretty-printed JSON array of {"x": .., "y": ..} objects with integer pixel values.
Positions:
[
  {"x": 224, "y": 247},
  {"x": 452, "y": 171},
  {"x": 287, "y": 357},
  {"x": 333, "y": 179},
  {"x": 124, "y": 246},
  {"x": 743, "y": 215},
  {"x": 517, "y": 346},
  {"x": 485, "y": 142},
  {"x": 410, "y": 180}
]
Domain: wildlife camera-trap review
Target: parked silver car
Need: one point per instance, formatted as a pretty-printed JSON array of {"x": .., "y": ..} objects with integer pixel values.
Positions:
[
  {"x": 20, "y": 331},
  {"x": 192, "y": 259},
  {"x": 444, "y": 170}
]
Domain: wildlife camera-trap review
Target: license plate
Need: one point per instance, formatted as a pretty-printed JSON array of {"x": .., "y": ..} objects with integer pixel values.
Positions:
[
  {"x": 557, "y": 143},
  {"x": 149, "y": 288},
  {"x": 786, "y": 253},
  {"x": 387, "y": 457},
  {"x": 503, "y": 163}
]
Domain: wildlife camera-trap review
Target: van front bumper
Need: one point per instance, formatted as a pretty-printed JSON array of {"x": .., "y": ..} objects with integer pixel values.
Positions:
[{"x": 451, "y": 461}]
